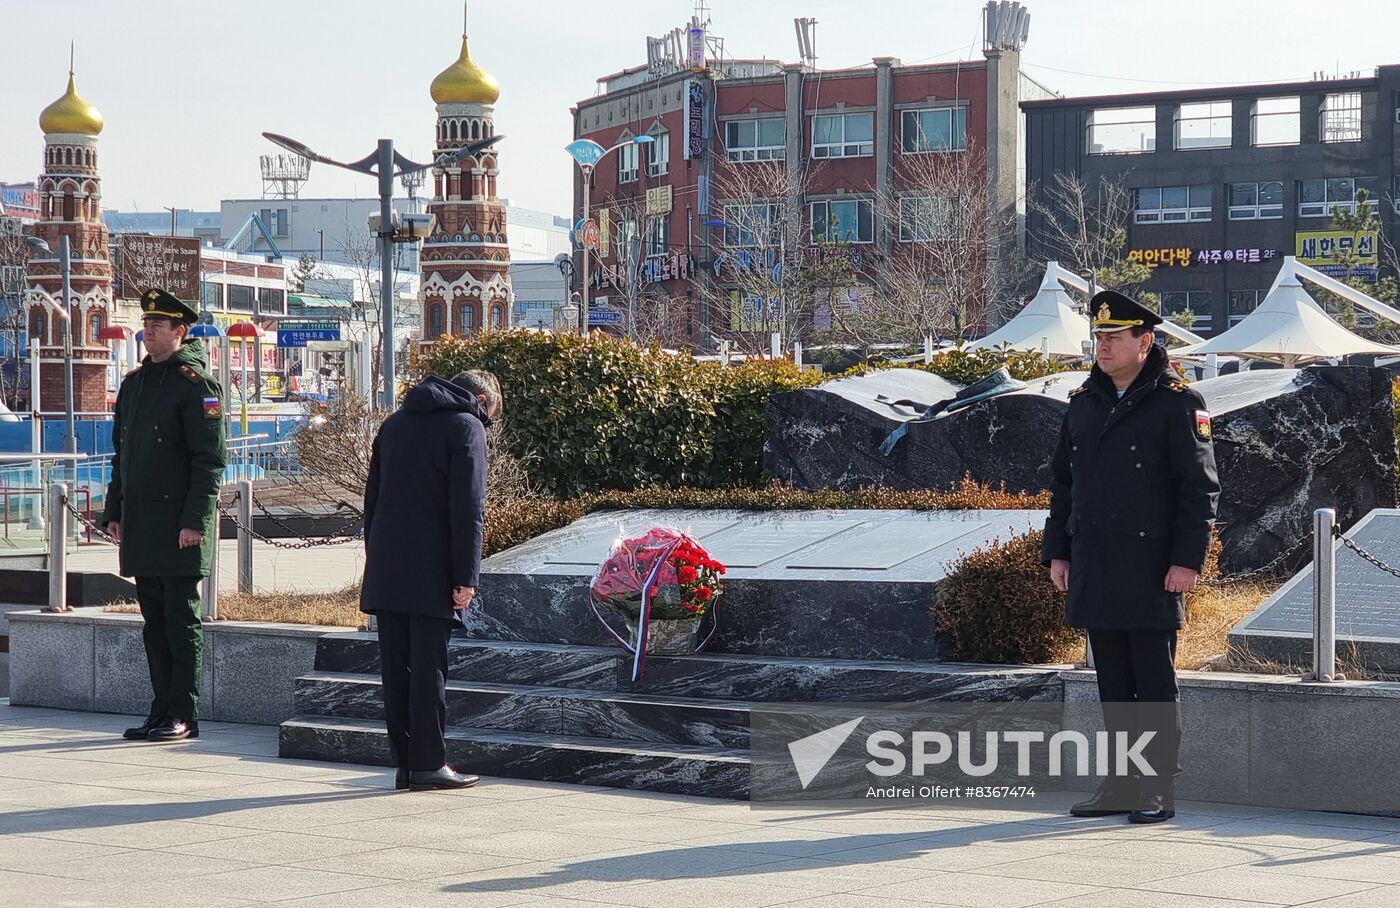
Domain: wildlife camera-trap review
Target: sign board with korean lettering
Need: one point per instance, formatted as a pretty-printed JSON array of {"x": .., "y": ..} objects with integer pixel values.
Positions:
[
  {"x": 604, "y": 227},
  {"x": 694, "y": 119},
  {"x": 168, "y": 262},
  {"x": 1339, "y": 253},
  {"x": 597, "y": 315},
  {"x": 1186, "y": 256},
  {"x": 296, "y": 334},
  {"x": 659, "y": 200}
]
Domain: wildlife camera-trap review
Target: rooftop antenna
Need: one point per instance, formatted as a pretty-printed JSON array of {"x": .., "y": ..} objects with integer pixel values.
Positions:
[
  {"x": 806, "y": 41},
  {"x": 283, "y": 174},
  {"x": 1006, "y": 26}
]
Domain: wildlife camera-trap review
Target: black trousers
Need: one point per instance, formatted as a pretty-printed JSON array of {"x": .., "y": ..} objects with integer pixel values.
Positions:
[
  {"x": 413, "y": 665},
  {"x": 1137, "y": 687},
  {"x": 174, "y": 639}
]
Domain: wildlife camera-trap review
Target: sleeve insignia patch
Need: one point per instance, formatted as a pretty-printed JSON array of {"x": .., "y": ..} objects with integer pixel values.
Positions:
[
  {"x": 1203, "y": 423},
  {"x": 213, "y": 408}
]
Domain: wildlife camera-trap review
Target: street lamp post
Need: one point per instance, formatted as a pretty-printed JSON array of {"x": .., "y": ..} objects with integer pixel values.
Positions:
[
  {"x": 382, "y": 163},
  {"x": 321, "y": 236},
  {"x": 586, "y": 154}
]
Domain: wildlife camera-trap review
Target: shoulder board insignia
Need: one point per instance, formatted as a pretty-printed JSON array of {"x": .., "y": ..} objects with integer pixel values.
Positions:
[
  {"x": 191, "y": 373},
  {"x": 1177, "y": 386},
  {"x": 1079, "y": 390}
]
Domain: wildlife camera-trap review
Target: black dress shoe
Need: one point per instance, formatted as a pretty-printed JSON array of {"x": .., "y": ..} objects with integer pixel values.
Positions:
[
  {"x": 1109, "y": 800},
  {"x": 401, "y": 779},
  {"x": 1155, "y": 809},
  {"x": 140, "y": 732},
  {"x": 446, "y": 777},
  {"x": 174, "y": 730}
]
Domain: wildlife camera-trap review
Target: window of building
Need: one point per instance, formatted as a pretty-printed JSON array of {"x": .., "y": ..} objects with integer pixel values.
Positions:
[
  {"x": 1243, "y": 302},
  {"x": 38, "y": 325},
  {"x": 659, "y": 154},
  {"x": 749, "y": 224},
  {"x": 276, "y": 221},
  {"x": 1198, "y": 301},
  {"x": 925, "y": 218},
  {"x": 212, "y": 295},
  {"x": 1205, "y": 125},
  {"x": 1395, "y": 193},
  {"x": 240, "y": 298},
  {"x": 1172, "y": 204},
  {"x": 843, "y": 136},
  {"x": 1317, "y": 198},
  {"x": 435, "y": 328},
  {"x": 1341, "y": 117},
  {"x": 272, "y": 301},
  {"x": 1122, "y": 130},
  {"x": 466, "y": 319},
  {"x": 843, "y": 221},
  {"x": 626, "y": 233},
  {"x": 1275, "y": 121},
  {"x": 755, "y": 140},
  {"x": 94, "y": 327},
  {"x": 935, "y": 129},
  {"x": 496, "y": 316},
  {"x": 658, "y": 239},
  {"x": 627, "y": 163},
  {"x": 1256, "y": 201}
]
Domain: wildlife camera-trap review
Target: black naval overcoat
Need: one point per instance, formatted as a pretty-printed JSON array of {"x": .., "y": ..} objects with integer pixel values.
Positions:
[{"x": 1133, "y": 492}]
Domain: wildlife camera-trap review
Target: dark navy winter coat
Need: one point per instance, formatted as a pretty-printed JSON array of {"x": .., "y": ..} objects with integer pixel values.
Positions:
[
  {"x": 425, "y": 503},
  {"x": 1133, "y": 492}
]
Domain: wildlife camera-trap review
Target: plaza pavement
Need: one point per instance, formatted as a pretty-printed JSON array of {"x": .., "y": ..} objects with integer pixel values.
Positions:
[{"x": 86, "y": 819}]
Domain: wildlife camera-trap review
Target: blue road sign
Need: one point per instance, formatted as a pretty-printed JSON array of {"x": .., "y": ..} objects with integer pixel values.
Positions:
[
  {"x": 296, "y": 334},
  {"x": 600, "y": 316}
]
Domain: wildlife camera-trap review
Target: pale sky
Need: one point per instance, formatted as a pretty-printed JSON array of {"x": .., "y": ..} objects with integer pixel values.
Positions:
[{"x": 187, "y": 86}]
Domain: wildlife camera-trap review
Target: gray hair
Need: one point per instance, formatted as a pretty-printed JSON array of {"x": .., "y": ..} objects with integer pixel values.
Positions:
[{"x": 479, "y": 381}]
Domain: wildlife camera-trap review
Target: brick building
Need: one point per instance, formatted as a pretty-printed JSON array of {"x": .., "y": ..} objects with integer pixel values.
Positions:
[{"x": 844, "y": 136}]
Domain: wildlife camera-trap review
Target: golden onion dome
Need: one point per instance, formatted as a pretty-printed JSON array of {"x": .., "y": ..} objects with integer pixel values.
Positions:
[
  {"x": 465, "y": 83},
  {"x": 71, "y": 113}
]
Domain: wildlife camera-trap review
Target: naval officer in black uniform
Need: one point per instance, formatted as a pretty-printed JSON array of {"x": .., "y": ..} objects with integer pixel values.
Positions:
[{"x": 1133, "y": 498}]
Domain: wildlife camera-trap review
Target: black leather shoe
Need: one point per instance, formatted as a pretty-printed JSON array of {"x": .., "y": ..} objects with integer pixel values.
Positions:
[
  {"x": 401, "y": 779},
  {"x": 1108, "y": 801},
  {"x": 1155, "y": 809},
  {"x": 446, "y": 777},
  {"x": 174, "y": 730},
  {"x": 140, "y": 732}
]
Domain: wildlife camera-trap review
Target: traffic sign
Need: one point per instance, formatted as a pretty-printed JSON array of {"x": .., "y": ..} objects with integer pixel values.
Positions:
[
  {"x": 296, "y": 334},
  {"x": 600, "y": 316}
]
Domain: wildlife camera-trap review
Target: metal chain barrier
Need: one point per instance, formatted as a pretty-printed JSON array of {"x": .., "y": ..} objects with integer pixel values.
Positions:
[
  {"x": 91, "y": 527},
  {"x": 276, "y": 521},
  {"x": 1267, "y": 571},
  {"x": 1365, "y": 555},
  {"x": 306, "y": 543}
]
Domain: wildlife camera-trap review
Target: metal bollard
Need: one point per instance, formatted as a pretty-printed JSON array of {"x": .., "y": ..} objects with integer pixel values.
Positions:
[
  {"x": 245, "y": 538},
  {"x": 58, "y": 548},
  {"x": 209, "y": 592},
  {"x": 1324, "y": 596}
]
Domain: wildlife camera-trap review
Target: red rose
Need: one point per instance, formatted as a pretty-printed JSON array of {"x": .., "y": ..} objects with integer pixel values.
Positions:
[
  {"x": 704, "y": 594},
  {"x": 686, "y": 574}
]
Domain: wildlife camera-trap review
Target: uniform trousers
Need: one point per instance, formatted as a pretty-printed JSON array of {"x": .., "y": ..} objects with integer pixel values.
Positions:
[
  {"x": 1138, "y": 691},
  {"x": 413, "y": 666},
  {"x": 174, "y": 638}
]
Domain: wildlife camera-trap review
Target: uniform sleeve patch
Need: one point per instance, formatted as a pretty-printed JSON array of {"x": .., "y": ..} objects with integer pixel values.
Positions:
[
  {"x": 213, "y": 408},
  {"x": 1203, "y": 423},
  {"x": 191, "y": 373}
]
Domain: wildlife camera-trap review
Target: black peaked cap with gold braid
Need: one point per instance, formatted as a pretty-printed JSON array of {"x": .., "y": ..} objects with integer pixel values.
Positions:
[
  {"x": 1112, "y": 311},
  {"x": 158, "y": 302}
]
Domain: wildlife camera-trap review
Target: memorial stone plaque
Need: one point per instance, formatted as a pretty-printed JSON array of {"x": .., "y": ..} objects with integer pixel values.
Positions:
[
  {"x": 1368, "y": 604},
  {"x": 882, "y": 547},
  {"x": 592, "y": 545},
  {"x": 758, "y": 543}
]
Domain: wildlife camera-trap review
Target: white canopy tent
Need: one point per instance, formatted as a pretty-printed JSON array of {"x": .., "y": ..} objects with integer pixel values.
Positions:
[
  {"x": 1289, "y": 327},
  {"x": 1050, "y": 323}
]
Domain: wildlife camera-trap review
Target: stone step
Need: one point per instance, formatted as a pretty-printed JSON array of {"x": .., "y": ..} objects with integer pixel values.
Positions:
[
  {"x": 678, "y": 769},
  {"x": 711, "y": 675},
  {"x": 547, "y": 710}
]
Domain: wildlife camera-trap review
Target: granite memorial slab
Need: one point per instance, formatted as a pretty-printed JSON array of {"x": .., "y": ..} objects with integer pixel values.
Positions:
[
  {"x": 848, "y": 584},
  {"x": 1287, "y": 441},
  {"x": 1368, "y": 606}
]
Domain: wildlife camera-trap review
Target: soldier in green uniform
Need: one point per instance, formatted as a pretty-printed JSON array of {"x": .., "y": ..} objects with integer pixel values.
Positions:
[{"x": 167, "y": 465}]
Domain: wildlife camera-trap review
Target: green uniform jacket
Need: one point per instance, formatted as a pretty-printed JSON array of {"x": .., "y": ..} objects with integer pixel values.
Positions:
[{"x": 167, "y": 465}]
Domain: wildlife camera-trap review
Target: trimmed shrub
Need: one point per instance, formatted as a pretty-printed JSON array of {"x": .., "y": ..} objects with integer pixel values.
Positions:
[
  {"x": 595, "y": 413},
  {"x": 965, "y": 366},
  {"x": 997, "y": 604}
]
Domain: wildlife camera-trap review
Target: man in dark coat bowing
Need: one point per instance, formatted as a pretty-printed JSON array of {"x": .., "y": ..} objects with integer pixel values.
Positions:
[
  {"x": 425, "y": 506},
  {"x": 1133, "y": 495}
]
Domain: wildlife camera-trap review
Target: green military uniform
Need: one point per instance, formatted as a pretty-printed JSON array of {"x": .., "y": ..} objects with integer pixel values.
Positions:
[{"x": 167, "y": 466}]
